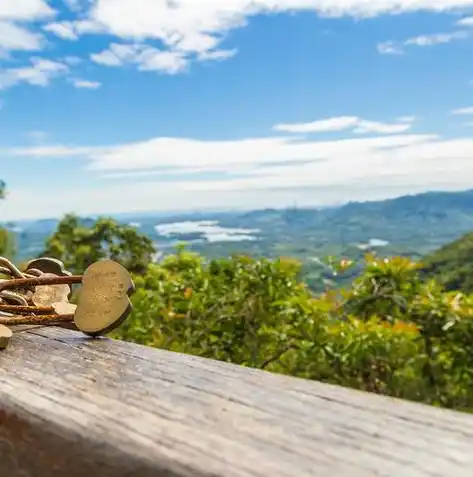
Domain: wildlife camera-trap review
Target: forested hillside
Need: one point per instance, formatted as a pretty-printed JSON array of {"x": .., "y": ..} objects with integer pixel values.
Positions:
[
  {"x": 390, "y": 331},
  {"x": 452, "y": 264}
]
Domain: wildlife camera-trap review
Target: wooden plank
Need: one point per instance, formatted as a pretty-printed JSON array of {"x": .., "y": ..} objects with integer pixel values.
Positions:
[{"x": 72, "y": 406}]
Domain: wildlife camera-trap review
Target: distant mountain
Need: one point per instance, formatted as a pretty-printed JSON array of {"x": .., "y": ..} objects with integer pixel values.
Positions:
[
  {"x": 34, "y": 226},
  {"x": 411, "y": 225},
  {"x": 421, "y": 222}
]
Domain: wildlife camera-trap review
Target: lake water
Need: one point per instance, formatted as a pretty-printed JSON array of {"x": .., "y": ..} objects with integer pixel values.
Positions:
[
  {"x": 373, "y": 243},
  {"x": 209, "y": 230}
]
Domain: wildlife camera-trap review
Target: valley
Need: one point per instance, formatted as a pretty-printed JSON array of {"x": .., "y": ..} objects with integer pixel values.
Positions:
[{"x": 411, "y": 226}]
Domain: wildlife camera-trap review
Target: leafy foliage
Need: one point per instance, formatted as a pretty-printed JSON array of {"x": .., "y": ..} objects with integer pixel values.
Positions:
[
  {"x": 7, "y": 243},
  {"x": 79, "y": 243},
  {"x": 7, "y": 239},
  {"x": 388, "y": 332}
]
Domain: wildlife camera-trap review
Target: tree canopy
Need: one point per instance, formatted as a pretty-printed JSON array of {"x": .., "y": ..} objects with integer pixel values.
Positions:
[{"x": 79, "y": 243}]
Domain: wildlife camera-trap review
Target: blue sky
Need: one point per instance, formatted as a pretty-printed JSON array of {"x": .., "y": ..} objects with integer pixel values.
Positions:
[{"x": 123, "y": 105}]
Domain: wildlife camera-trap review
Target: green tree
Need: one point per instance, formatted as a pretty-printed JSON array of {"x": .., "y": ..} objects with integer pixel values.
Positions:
[
  {"x": 7, "y": 238},
  {"x": 79, "y": 243}
]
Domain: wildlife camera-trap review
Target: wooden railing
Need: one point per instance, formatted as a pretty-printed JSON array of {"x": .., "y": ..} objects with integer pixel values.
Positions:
[{"x": 76, "y": 407}]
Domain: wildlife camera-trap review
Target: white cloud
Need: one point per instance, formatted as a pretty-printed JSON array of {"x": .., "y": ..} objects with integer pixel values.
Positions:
[
  {"x": 14, "y": 34},
  {"x": 72, "y": 30},
  {"x": 87, "y": 26},
  {"x": 85, "y": 84},
  {"x": 198, "y": 28},
  {"x": 267, "y": 171},
  {"x": 191, "y": 30},
  {"x": 216, "y": 55},
  {"x": 463, "y": 111},
  {"x": 419, "y": 160},
  {"x": 107, "y": 58},
  {"x": 365, "y": 127},
  {"x": 437, "y": 38},
  {"x": 39, "y": 73},
  {"x": 230, "y": 156},
  {"x": 324, "y": 125},
  {"x": 64, "y": 30},
  {"x": 467, "y": 21},
  {"x": 389, "y": 48},
  {"x": 24, "y": 9},
  {"x": 183, "y": 19},
  {"x": 196, "y": 42},
  {"x": 15, "y": 37},
  {"x": 146, "y": 57},
  {"x": 152, "y": 59},
  {"x": 397, "y": 47},
  {"x": 358, "y": 125}
]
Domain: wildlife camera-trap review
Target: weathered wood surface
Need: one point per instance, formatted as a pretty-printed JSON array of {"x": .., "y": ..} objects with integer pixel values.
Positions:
[{"x": 77, "y": 407}]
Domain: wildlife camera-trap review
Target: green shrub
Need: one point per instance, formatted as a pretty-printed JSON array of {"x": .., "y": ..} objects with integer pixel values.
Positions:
[{"x": 390, "y": 333}]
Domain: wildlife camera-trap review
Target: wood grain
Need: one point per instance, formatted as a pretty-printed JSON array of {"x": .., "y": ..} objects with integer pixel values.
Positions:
[{"x": 74, "y": 406}]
